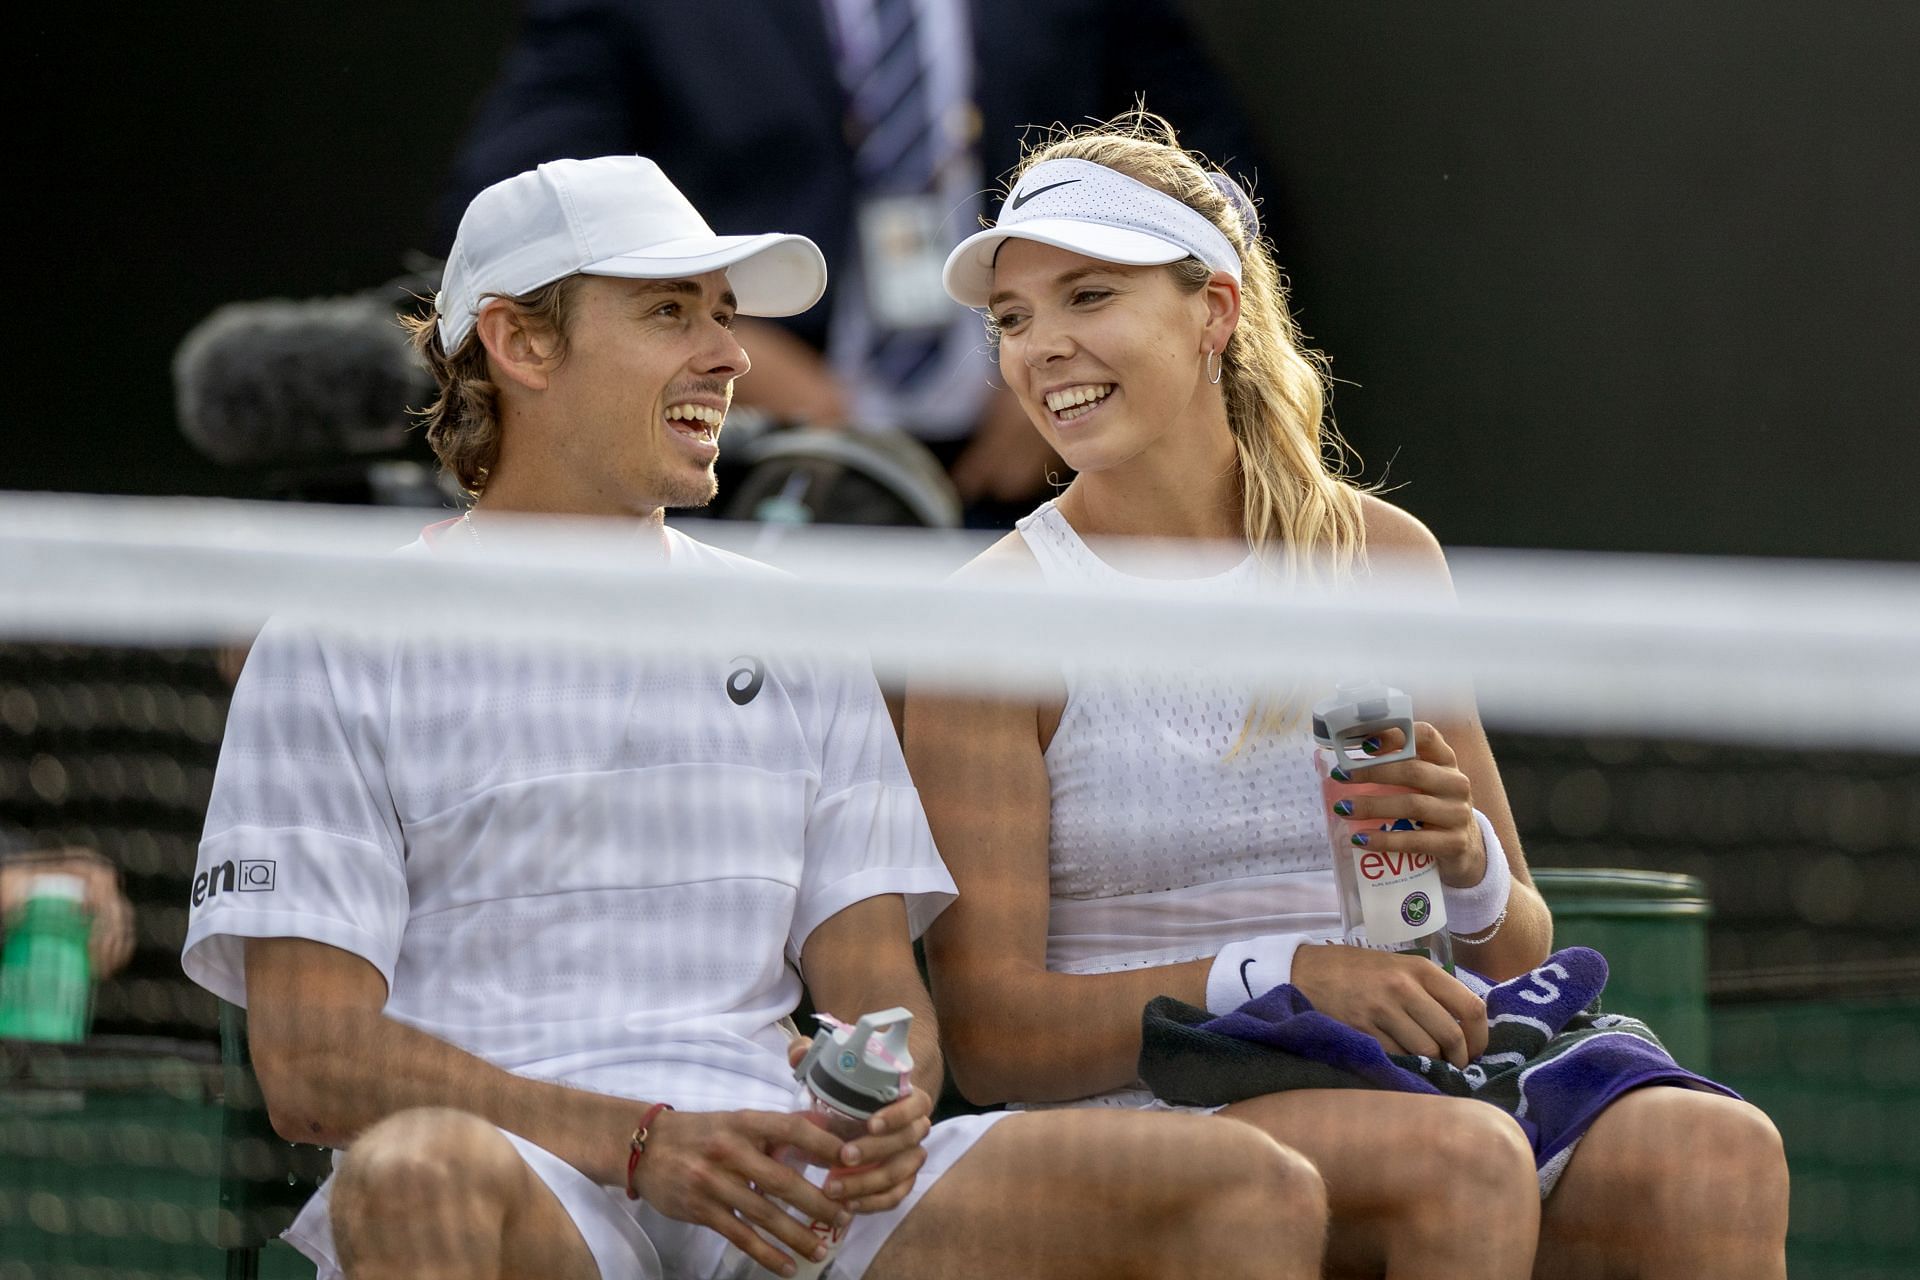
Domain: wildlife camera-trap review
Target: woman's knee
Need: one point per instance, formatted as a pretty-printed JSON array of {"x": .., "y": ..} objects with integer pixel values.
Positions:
[
  {"x": 1694, "y": 1162},
  {"x": 1747, "y": 1132},
  {"x": 1733, "y": 1159},
  {"x": 1259, "y": 1180},
  {"x": 1265, "y": 1198},
  {"x": 1403, "y": 1157},
  {"x": 1472, "y": 1154}
]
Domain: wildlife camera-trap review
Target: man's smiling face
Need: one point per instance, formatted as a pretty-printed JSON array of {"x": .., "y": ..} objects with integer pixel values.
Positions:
[{"x": 644, "y": 386}]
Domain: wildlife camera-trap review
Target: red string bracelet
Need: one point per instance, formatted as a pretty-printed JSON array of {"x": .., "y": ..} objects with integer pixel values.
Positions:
[{"x": 637, "y": 1145}]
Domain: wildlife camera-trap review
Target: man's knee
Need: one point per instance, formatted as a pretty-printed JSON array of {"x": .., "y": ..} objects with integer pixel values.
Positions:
[
  {"x": 426, "y": 1192},
  {"x": 425, "y": 1156}
]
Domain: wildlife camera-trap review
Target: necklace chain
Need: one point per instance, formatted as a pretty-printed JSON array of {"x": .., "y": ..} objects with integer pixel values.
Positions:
[{"x": 473, "y": 530}]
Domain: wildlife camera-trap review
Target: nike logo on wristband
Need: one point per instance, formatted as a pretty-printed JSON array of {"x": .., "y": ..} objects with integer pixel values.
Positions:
[
  {"x": 1243, "y": 976},
  {"x": 1021, "y": 197}
]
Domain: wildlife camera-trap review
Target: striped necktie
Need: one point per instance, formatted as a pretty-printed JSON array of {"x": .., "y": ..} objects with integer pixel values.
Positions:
[{"x": 899, "y": 150}]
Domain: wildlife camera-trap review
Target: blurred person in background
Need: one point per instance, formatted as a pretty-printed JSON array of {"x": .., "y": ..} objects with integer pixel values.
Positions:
[
  {"x": 873, "y": 127},
  {"x": 1115, "y": 843},
  {"x": 110, "y": 939},
  {"x": 106, "y": 755}
]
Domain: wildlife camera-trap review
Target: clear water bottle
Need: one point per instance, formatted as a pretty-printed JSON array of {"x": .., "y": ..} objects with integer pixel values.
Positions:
[
  {"x": 849, "y": 1073},
  {"x": 46, "y": 983},
  {"x": 1389, "y": 900}
]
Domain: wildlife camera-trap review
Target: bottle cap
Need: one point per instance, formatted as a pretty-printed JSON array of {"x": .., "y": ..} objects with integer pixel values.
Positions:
[
  {"x": 57, "y": 884},
  {"x": 1359, "y": 711},
  {"x": 863, "y": 1067}
]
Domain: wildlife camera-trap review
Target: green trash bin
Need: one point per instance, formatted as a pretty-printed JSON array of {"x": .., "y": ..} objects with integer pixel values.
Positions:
[{"x": 1652, "y": 928}]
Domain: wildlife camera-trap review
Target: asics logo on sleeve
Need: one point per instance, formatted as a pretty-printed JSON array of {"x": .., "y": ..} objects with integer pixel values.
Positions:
[
  {"x": 743, "y": 682},
  {"x": 1021, "y": 197}
]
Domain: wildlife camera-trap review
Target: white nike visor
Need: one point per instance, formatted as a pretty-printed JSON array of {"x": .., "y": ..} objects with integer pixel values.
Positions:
[{"x": 1089, "y": 209}]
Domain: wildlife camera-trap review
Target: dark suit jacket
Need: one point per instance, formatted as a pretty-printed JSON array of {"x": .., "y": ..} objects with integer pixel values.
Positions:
[{"x": 739, "y": 102}]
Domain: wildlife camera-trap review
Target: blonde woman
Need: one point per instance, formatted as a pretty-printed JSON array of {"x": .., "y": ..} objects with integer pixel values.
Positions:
[{"x": 1116, "y": 844}]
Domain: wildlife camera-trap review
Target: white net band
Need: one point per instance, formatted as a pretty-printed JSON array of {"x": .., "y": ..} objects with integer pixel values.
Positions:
[{"x": 1763, "y": 652}]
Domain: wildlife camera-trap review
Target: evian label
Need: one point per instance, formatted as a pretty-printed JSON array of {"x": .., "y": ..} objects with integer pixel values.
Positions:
[{"x": 1400, "y": 897}]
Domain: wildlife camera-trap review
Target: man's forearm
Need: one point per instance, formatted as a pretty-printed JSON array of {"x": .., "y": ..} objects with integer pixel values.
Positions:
[
  {"x": 923, "y": 1040},
  {"x": 343, "y": 1069},
  {"x": 929, "y": 1067}
]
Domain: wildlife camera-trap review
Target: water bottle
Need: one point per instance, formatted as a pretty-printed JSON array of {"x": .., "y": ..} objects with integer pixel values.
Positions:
[
  {"x": 46, "y": 983},
  {"x": 1389, "y": 900},
  {"x": 848, "y": 1074}
]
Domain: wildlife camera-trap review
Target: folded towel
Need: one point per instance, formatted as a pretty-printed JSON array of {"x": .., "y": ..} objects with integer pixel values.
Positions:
[{"x": 1553, "y": 1060}]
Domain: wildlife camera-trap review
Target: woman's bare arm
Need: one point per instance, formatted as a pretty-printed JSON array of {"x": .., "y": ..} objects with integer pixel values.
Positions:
[
  {"x": 1400, "y": 543},
  {"x": 1014, "y": 1031}
]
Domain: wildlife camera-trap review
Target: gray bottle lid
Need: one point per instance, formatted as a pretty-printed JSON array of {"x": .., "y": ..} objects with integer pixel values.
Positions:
[
  {"x": 1358, "y": 711},
  {"x": 861, "y": 1068}
]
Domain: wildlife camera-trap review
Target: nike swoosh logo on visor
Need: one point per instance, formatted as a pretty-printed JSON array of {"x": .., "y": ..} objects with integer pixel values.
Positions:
[{"x": 1021, "y": 197}]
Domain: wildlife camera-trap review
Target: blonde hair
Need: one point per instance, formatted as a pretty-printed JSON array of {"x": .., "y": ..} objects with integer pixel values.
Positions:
[
  {"x": 463, "y": 422},
  {"x": 1302, "y": 510},
  {"x": 1301, "y": 507}
]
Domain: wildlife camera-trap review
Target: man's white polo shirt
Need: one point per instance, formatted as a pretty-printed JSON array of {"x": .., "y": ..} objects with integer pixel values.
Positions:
[{"x": 593, "y": 869}]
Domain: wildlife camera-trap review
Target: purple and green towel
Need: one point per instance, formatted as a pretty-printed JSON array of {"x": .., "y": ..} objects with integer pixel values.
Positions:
[{"x": 1553, "y": 1059}]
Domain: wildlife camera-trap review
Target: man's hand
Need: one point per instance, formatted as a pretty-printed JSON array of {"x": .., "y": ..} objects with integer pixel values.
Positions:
[
  {"x": 1007, "y": 460},
  {"x": 1407, "y": 1003},
  {"x": 875, "y": 1173},
  {"x": 718, "y": 1169}
]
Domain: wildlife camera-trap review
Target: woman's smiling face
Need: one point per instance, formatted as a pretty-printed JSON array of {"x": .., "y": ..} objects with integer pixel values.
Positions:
[{"x": 1106, "y": 359}]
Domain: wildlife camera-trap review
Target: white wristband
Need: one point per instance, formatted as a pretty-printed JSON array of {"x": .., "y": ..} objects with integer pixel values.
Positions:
[
  {"x": 1477, "y": 909},
  {"x": 1252, "y": 968}
]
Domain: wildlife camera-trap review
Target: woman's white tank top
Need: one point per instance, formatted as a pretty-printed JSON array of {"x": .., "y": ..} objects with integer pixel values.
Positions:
[{"x": 1166, "y": 843}]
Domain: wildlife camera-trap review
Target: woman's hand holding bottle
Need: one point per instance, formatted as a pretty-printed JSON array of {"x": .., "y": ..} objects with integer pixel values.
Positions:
[{"x": 1437, "y": 801}]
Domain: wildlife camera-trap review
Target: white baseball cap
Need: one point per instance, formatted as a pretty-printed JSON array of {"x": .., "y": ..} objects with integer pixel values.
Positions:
[
  {"x": 611, "y": 216},
  {"x": 1090, "y": 209}
]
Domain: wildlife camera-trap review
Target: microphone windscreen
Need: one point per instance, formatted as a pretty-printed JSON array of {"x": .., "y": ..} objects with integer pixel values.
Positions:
[{"x": 281, "y": 383}]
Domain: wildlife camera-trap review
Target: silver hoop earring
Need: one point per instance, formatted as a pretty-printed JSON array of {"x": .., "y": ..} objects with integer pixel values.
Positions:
[{"x": 1218, "y": 369}]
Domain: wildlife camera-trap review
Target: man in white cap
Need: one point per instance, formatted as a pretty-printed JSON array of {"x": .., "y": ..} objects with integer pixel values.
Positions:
[{"x": 519, "y": 931}]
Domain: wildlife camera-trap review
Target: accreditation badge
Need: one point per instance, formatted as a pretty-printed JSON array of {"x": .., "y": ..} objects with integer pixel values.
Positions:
[{"x": 902, "y": 252}]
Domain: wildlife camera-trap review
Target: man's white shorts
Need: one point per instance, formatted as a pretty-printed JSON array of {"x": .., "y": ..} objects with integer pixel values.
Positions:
[{"x": 630, "y": 1241}]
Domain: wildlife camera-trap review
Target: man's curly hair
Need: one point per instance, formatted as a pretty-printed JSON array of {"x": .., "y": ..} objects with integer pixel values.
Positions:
[{"x": 463, "y": 422}]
